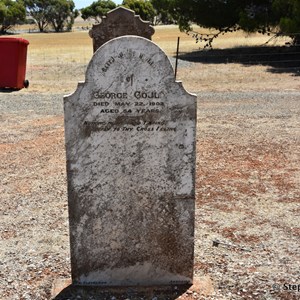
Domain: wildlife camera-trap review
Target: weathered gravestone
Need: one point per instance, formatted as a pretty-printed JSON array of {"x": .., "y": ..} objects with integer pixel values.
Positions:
[
  {"x": 119, "y": 22},
  {"x": 130, "y": 143}
]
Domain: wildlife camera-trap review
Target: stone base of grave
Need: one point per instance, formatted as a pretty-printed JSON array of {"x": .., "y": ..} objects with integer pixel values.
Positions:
[{"x": 63, "y": 289}]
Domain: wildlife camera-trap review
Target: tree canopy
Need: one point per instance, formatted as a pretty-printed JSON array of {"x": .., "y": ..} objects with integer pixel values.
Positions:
[
  {"x": 38, "y": 10},
  {"x": 11, "y": 13},
  {"x": 141, "y": 7},
  {"x": 97, "y": 9},
  {"x": 265, "y": 16},
  {"x": 163, "y": 14},
  {"x": 287, "y": 13},
  {"x": 59, "y": 13},
  {"x": 278, "y": 17}
]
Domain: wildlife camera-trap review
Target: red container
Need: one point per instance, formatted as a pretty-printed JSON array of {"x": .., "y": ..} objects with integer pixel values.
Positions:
[{"x": 13, "y": 55}]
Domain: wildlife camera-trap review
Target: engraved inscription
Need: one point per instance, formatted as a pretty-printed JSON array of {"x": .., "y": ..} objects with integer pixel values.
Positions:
[
  {"x": 136, "y": 94},
  {"x": 108, "y": 64},
  {"x": 146, "y": 95},
  {"x": 146, "y": 103},
  {"x": 109, "y": 95},
  {"x": 99, "y": 126}
]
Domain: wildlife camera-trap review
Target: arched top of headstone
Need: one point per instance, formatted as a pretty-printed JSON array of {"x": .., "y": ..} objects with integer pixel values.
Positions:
[
  {"x": 131, "y": 62},
  {"x": 119, "y": 22}
]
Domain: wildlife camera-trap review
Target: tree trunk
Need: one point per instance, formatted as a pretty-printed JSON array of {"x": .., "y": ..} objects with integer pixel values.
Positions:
[{"x": 296, "y": 40}]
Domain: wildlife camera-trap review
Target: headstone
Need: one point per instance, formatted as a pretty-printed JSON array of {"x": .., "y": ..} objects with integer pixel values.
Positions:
[
  {"x": 119, "y": 22},
  {"x": 130, "y": 145}
]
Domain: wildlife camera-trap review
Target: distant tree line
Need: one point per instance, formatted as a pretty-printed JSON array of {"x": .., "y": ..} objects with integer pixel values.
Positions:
[
  {"x": 59, "y": 14},
  {"x": 272, "y": 17},
  {"x": 150, "y": 10}
]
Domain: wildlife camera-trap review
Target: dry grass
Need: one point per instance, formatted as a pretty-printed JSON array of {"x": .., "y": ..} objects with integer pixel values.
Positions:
[
  {"x": 166, "y": 38},
  {"x": 57, "y": 61}
]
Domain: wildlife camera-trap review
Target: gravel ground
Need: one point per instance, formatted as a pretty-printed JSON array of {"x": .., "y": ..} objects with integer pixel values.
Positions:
[{"x": 248, "y": 195}]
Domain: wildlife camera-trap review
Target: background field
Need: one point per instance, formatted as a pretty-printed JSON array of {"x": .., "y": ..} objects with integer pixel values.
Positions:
[
  {"x": 57, "y": 61},
  {"x": 248, "y": 166}
]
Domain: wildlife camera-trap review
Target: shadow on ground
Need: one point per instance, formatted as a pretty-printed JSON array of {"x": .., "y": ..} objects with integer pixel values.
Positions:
[
  {"x": 8, "y": 90},
  {"x": 73, "y": 292},
  {"x": 278, "y": 59}
]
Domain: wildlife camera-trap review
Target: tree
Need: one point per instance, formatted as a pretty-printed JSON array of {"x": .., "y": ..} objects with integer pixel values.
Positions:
[
  {"x": 162, "y": 12},
  {"x": 61, "y": 14},
  {"x": 216, "y": 13},
  {"x": 262, "y": 16},
  {"x": 38, "y": 10},
  {"x": 141, "y": 7},
  {"x": 97, "y": 10},
  {"x": 11, "y": 13},
  {"x": 288, "y": 15}
]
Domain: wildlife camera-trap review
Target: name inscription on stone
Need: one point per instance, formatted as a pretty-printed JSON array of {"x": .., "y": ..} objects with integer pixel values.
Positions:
[
  {"x": 121, "y": 103},
  {"x": 145, "y": 102}
]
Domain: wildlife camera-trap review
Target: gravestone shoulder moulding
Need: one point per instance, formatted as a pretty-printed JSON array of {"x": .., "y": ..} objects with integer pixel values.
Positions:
[
  {"x": 119, "y": 22},
  {"x": 130, "y": 144}
]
